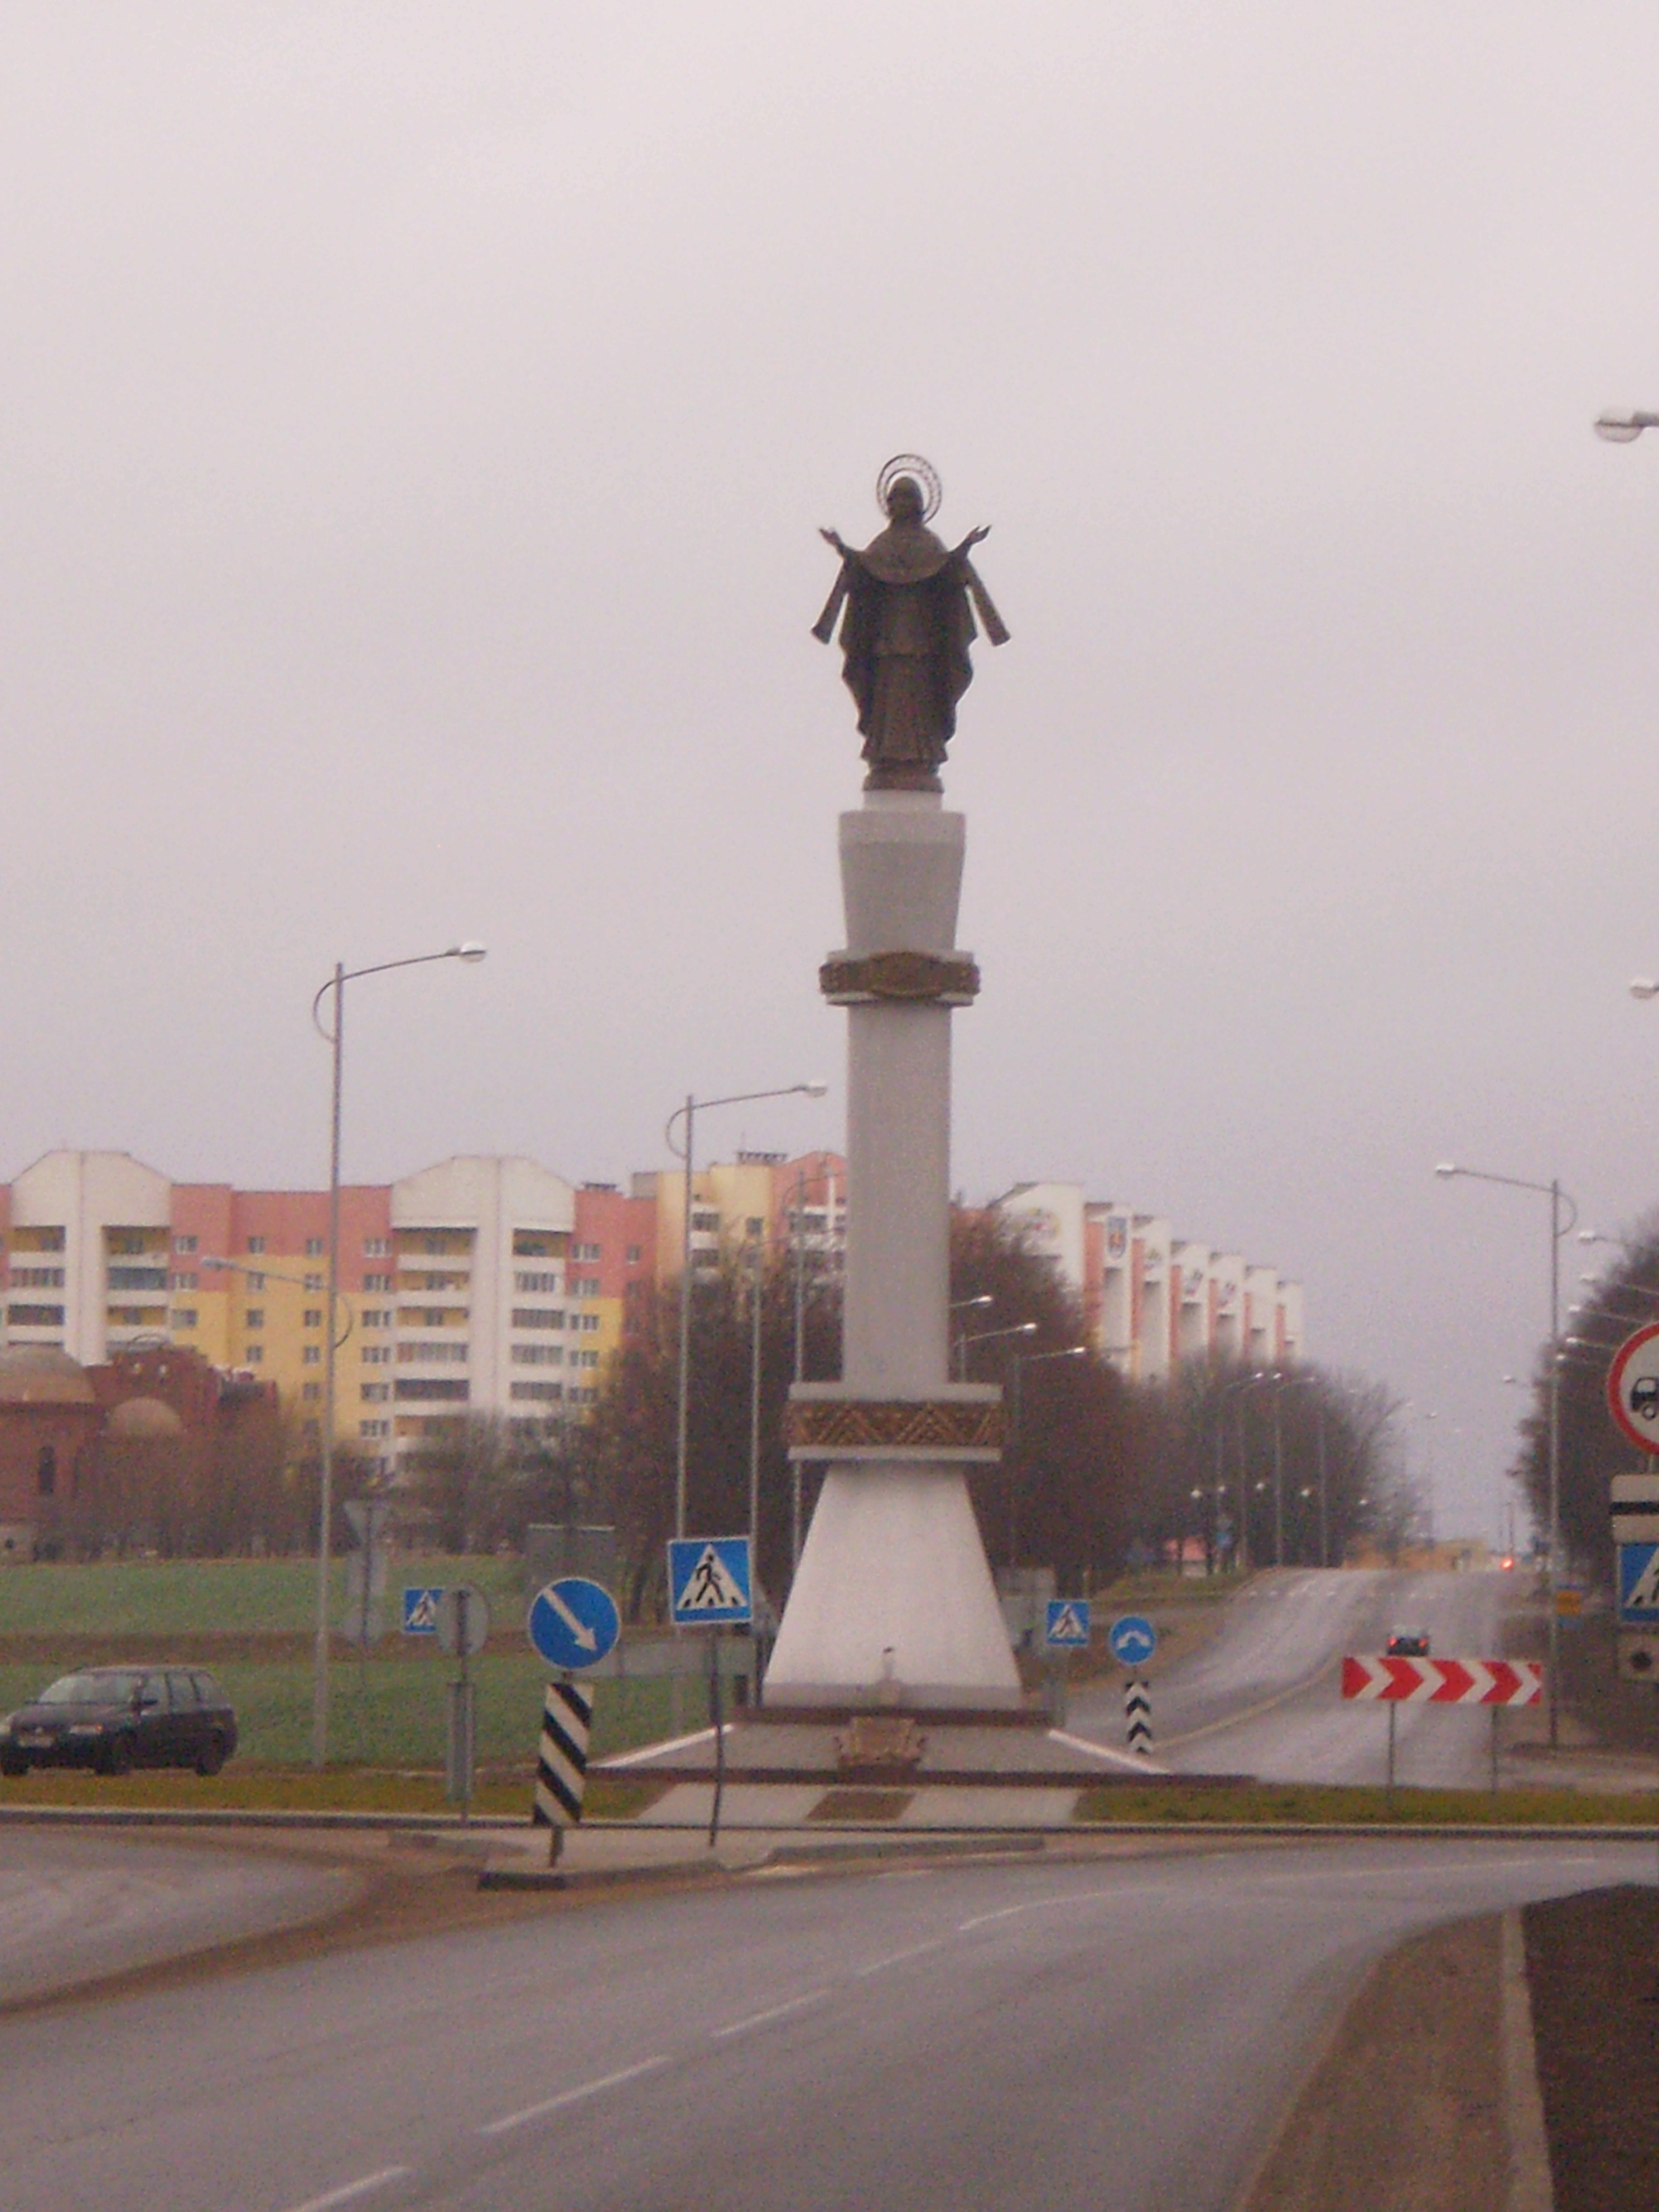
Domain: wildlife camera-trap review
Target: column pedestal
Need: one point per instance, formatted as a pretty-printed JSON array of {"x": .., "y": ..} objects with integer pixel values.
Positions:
[{"x": 893, "y": 1602}]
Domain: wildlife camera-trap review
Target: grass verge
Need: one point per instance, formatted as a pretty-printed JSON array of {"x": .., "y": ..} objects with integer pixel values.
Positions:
[
  {"x": 277, "y": 1789},
  {"x": 1268, "y": 1804}
]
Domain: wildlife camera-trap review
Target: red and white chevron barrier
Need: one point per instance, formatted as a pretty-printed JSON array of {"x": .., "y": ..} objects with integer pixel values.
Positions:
[{"x": 1445, "y": 1681}]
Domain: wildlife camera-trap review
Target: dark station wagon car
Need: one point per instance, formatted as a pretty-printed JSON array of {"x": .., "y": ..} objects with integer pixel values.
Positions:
[{"x": 115, "y": 1718}]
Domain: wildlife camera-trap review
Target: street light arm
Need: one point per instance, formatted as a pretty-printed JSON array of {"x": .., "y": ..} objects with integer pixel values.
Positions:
[
  {"x": 817, "y": 1088},
  {"x": 468, "y": 951}
]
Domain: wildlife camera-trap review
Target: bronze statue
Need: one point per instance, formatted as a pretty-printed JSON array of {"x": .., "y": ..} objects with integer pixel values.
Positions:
[{"x": 909, "y": 625}]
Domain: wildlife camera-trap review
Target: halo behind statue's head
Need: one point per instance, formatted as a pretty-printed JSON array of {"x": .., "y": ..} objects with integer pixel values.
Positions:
[{"x": 921, "y": 472}]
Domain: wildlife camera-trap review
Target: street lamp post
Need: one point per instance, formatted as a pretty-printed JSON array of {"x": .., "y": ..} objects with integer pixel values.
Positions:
[
  {"x": 688, "y": 1113},
  {"x": 1558, "y": 1228},
  {"x": 334, "y": 1037}
]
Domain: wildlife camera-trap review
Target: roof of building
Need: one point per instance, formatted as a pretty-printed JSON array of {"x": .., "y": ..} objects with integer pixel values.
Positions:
[
  {"x": 144, "y": 1418},
  {"x": 39, "y": 1374}
]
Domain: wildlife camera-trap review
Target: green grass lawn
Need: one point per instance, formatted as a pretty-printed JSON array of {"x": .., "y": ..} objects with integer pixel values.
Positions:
[
  {"x": 385, "y": 1711},
  {"x": 226, "y": 1597},
  {"x": 1268, "y": 1802},
  {"x": 390, "y": 1711}
]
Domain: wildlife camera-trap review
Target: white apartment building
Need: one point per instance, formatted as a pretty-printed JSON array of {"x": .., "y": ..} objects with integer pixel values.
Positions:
[
  {"x": 481, "y": 1314},
  {"x": 1152, "y": 1299},
  {"x": 90, "y": 1246}
]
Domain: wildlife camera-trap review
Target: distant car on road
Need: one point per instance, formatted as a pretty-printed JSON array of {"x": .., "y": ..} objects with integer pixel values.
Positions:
[
  {"x": 115, "y": 1718},
  {"x": 1408, "y": 1643}
]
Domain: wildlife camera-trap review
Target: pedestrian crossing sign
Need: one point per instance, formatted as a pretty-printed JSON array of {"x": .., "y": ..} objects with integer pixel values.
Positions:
[
  {"x": 421, "y": 1611},
  {"x": 1638, "y": 1585},
  {"x": 710, "y": 1581},
  {"x": 1067, "y": 1625}
]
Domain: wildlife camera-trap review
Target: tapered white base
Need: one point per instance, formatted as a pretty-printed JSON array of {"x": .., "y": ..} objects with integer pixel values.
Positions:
[{"x": 893, "y": 1601}]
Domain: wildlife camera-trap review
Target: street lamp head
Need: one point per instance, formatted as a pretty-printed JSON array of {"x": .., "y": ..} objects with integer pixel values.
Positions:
[
  {"x": 471, "y": 952},
  {"x": 1444, "y": 1167},
  {"x": 1644, "y": 987},
  {"x": 1618, "y": 429},
  {"x": 818, "y": 1088}
]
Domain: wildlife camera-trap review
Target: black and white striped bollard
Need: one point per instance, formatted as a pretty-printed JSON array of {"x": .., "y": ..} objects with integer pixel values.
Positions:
[
  {"x": 561, "y": 1762},
  {"x": 1137, "y": 1714}
]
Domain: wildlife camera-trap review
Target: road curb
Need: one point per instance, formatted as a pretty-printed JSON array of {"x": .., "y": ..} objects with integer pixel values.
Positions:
[
  {"x": 534, "y": 1878},
  {"x": 1531, "y": 2188}
]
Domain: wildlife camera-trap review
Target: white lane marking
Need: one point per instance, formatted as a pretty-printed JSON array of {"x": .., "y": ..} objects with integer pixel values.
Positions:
[
  {"x": 898, "y": 1958},
  {"x": 656, "y": 1750},
  {"x": 565, "y": 2097},
  {"x": 774, "y": 2012},
  {"x": 1136, "y": 1895},
  {"x": 343, "y": 2196},
  {"x": 910, "y": 1874}
]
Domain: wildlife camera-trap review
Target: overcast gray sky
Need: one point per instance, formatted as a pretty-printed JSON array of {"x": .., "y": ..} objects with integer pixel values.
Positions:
[{"x": 415, "y": 424}]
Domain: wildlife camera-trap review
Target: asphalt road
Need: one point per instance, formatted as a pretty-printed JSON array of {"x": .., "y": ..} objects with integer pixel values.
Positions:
[
  {"x": 1265, "y": 1698},
  {"x": 1115, "y": 2033},
  {"x": 75, "y": 1906}
]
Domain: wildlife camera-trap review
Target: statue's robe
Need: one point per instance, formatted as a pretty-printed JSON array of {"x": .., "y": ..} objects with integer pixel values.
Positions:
[{"x": 905, "y": 640}]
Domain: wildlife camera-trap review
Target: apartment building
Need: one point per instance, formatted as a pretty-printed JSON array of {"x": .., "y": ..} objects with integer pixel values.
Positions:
[
  {"x": 1151, "y": 1298},
  {"x": 455, "y": 1284},
  {"x": 763, "y": 1199}
]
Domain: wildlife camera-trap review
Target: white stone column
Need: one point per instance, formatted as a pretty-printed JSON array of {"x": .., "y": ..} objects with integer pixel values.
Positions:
[{"x": 894, "y": 1598}]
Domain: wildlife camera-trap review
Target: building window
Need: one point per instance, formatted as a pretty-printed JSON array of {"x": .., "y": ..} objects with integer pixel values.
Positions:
[
  {"x": 374, "y": 1394},
  {"x": 256, "y": 1243},
  {"x": 313, "y": 1316},
  {"x": 313, "y": 1282},
  {"x": 186, "y": 1244},
  {"x": 255, "y": 1355},
  {"x": 377, "y": 1355},
  {"x": 377, "y": 1248},
  {"x": 315, "y": 1248},
  {"x": 634, "y": 1255},
  {"x": 537, "y": 1317},
  {"x": 584, "y": 1359},
  {"x": 585, "y": 1252},
  {"x": 376, "y": 1317},
  {"x": 536, "y": 1244},
  {"x": 35, "y": 1316},
  {"x": 310, "y": 1391},
  {"x": 185, "y": 1282},
  {"x": 419, "y": 1351},
  {"x": 424, "y": 1387},
  {"x": 37, "y": 1279},
  {"x": 546, "y": 1394},
  {"x": 252, "y": 1282},
  {"x": 137, "y": 1279},
  {"x": 590, "y": 1323},
  {"x": 184, "y": 1316},
  {"x": 584, "y": 1286},
  {"x": 45, "y": 1471},
  {"x": 538, "y": 1355},
  {"x": 38, "y": 1240},
  {"x": 311, "y": 1355},
  {"x": 534, "y": 1285},
  {"x": 377, "y": 1282},
  {"x": 577, "y": 1396},
  {"x": 374, "y": 1428},
  {"x": 254, "y": 1317}
]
